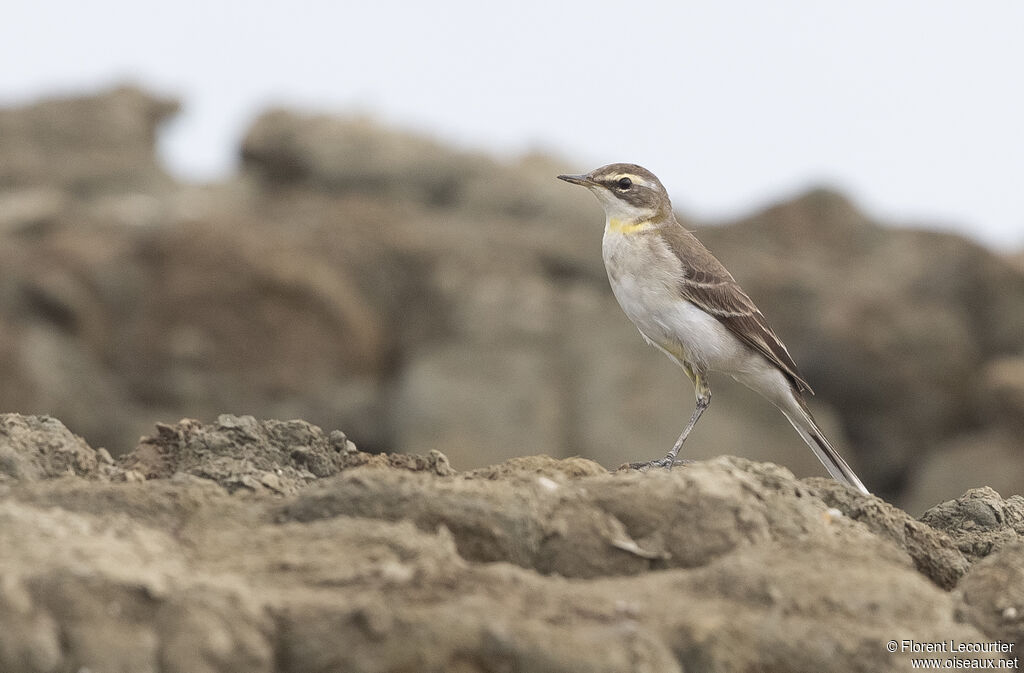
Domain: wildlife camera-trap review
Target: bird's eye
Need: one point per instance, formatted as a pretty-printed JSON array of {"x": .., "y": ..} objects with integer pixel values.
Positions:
[{"x": 625, "y": 183}]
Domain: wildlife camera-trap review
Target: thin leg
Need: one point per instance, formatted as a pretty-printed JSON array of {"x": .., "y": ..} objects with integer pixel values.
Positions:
[{"x": 703, "y": 392}]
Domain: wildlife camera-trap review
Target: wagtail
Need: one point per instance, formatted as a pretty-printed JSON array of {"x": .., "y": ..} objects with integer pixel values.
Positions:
[{"x": 688, "y": 306}]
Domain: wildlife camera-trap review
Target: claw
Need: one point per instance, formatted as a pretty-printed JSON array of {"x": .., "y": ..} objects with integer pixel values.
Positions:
[{"x": 665, "y": 462}]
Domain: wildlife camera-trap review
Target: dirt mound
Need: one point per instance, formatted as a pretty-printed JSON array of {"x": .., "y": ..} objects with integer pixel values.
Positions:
[
  {"x": 40, "y": 447},
  {"x": 241, "y": 452},
  {"x": 180, "y": 557},
  {"x": 980, "y": 521},
  {"x": 992, "y": 595}
]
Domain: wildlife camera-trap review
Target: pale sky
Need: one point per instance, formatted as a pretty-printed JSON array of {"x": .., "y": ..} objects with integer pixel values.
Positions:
[{"x": 914, "y": 108}]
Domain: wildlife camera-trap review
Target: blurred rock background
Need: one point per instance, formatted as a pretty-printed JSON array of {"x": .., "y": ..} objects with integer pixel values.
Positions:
[{"x": 421, "y": 297}]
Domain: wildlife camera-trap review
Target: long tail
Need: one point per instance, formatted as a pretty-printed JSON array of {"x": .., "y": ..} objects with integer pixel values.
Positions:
[{"x": 804, "y": 423}]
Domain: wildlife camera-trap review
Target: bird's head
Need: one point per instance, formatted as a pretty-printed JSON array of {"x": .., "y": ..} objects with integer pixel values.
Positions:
[{"x": 627, "y": 192}]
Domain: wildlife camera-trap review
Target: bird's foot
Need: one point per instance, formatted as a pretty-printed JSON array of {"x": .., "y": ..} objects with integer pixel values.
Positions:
[{"x": 667, "y": 462}]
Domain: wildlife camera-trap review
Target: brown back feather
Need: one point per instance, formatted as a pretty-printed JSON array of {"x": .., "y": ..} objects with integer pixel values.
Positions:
[{"x": 709, "y": 285}]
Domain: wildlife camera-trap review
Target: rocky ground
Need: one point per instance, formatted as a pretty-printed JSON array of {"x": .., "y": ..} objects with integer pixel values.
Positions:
[
  {"x": 250, "y": 546},
  {"x": 426, "y": 298},
  {"x": 450, "y": 312}
]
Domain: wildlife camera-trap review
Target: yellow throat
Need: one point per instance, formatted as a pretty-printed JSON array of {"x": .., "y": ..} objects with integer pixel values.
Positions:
[{"x": 627, "y": 226}]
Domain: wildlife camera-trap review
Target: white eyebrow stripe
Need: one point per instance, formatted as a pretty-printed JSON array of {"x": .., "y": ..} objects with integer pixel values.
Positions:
[{"x": 635, "y": 178}]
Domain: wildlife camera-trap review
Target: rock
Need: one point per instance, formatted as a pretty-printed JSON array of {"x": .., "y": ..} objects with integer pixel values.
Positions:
[
  {"x": 55, "y": 369},
  {"x": 85, "y": 144},
  {"x": 115, "y": 327},
  {"x": 538, "y": 564},
  {"x": 685, "y": 518},
  {"x": 242, "y": 453},
  {"x": 428, "y": 298},
  {"x": 991, "y": 596},
  {"x": 980, "y": 521},
  {"x": 355, "y": 155},
  {"x": 30, "y": 210},
  {"x": 40, "y": 447},
  {"x": 934, "y": 553},
  {"x": 101, "y": 593},
  {"x": 534, "y": 467}
]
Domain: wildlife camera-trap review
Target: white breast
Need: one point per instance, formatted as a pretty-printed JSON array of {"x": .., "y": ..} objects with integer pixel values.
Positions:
[{"x": 644, "y": 275}]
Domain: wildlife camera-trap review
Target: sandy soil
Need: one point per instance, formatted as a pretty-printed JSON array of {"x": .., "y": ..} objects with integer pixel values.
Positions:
[{"x": 254, "y": 546}]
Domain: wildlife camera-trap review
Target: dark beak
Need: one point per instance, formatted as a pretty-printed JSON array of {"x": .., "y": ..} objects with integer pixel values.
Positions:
[{"x": 577, "y": 179}]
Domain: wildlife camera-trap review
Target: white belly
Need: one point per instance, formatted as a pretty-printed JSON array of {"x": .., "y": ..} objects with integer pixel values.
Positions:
[{"x": 644, "y": 282}]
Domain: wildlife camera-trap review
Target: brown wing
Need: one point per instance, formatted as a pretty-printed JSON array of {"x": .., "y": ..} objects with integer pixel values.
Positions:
[{"x": 707, "y": 284}]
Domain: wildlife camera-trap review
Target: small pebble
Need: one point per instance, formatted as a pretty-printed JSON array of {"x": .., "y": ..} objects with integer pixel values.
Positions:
[{"x": 547, "y": 484}]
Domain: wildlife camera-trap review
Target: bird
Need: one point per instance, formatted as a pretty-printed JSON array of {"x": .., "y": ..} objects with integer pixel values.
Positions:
[{"x": 687, "y": 305}]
